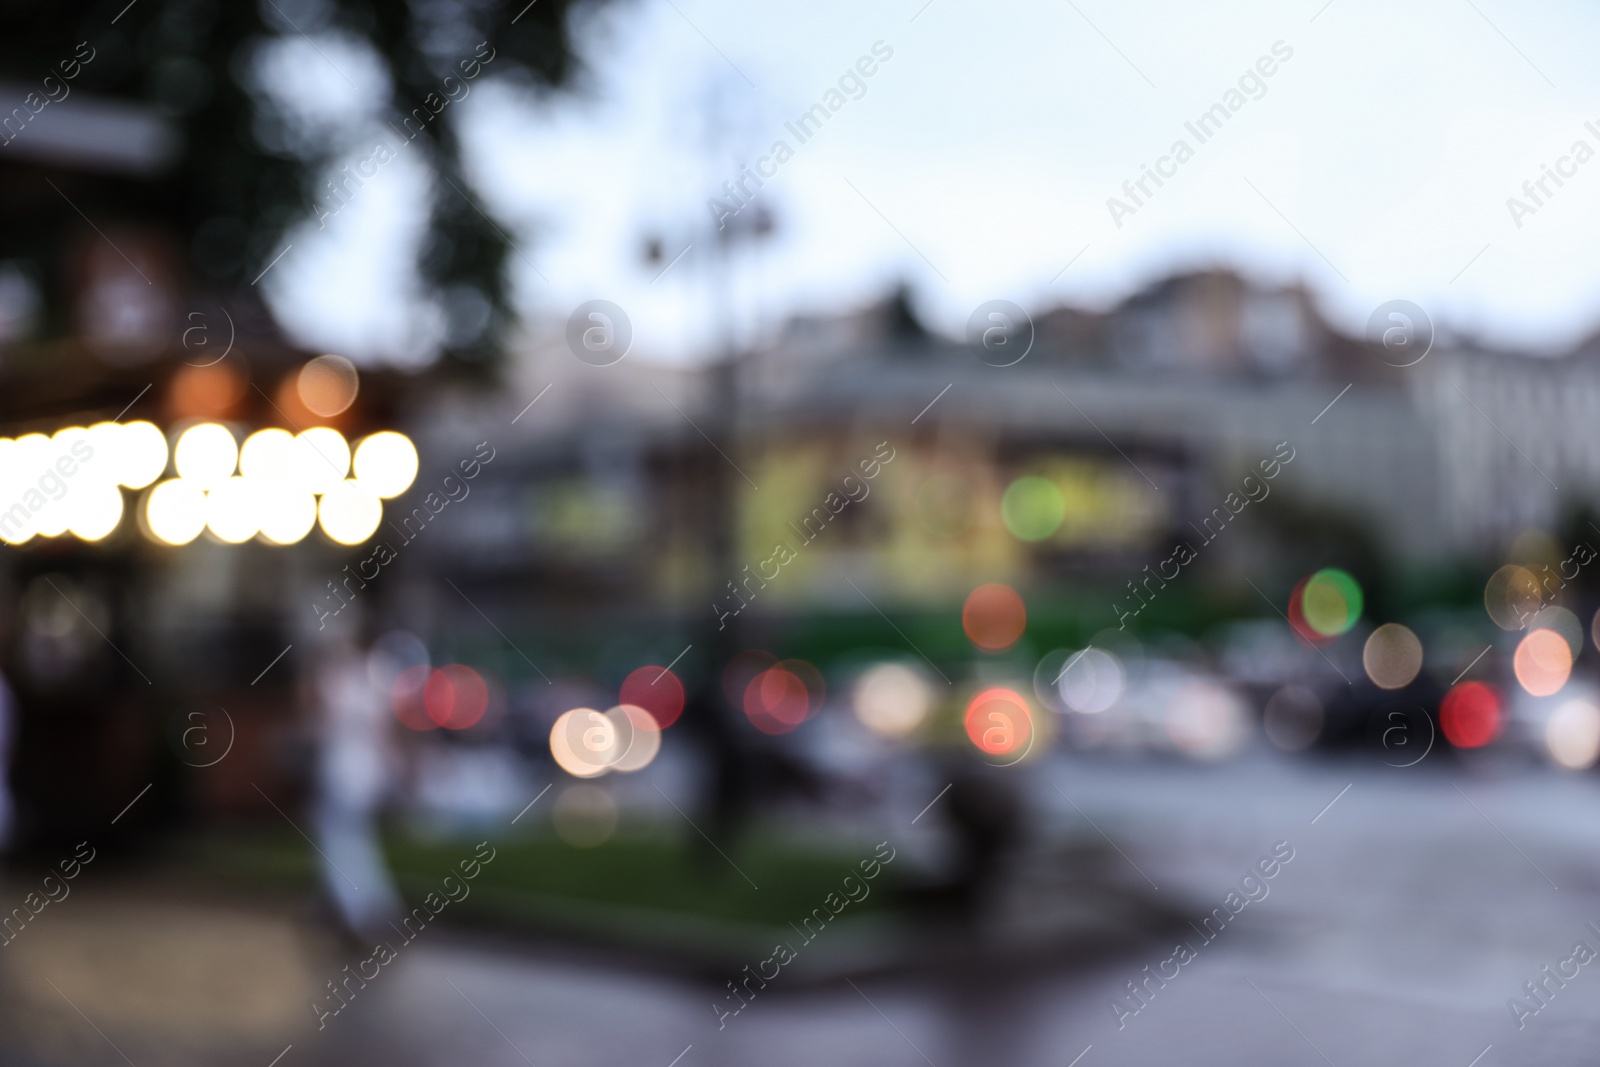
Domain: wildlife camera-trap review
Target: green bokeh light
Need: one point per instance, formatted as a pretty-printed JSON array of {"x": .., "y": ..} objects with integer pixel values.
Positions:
[
  {"x": 1331, "y": 602},
  {"x": 1032, "y": 508}
]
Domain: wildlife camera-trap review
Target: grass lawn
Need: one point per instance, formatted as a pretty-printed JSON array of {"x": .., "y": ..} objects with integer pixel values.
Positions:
[{"x": 645, "y": 887}]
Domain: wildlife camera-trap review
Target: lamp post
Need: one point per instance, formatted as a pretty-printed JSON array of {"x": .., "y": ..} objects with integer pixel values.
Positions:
[{"x": 717, "y": 639}]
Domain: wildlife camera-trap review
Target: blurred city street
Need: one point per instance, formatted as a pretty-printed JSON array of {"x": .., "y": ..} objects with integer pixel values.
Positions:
[{"x": 671, "y": 533}]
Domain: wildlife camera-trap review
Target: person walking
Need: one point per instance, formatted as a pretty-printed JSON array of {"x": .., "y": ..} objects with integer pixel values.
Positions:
[{"x": 356, "y": 770}]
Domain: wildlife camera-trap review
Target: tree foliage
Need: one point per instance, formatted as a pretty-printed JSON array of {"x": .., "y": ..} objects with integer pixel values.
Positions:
[{"x": 243, "y": 175}]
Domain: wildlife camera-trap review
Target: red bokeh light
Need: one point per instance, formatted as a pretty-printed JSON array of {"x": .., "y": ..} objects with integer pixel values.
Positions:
[
  {"x": 1471, "y": 714},
  {"x": 999, "y": 721},
  {"x": 994, "y": 617},
  {"x": 1297, "y": 617},
  {"x": 455, "y": 697},
  {"x": 656, "y": 690},
  {"x": 405, "y": 697},
  {"x": 776, "y": 701}
]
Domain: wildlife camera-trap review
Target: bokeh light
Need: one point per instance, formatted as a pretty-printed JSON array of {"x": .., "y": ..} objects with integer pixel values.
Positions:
[
  {"x": 33, "y": 455},
  {"x": 1206, "y": 721},
  {"x": 1293, "y": 718},
  {"x": 393, "y": 653},
  {"x": 1563, "y": 622},
  {"x": 638, "y": 737},
  {"x": 205, "y": 455},
  {"x": 1392, "y": 656},
  {"x": 1091, "y": 681},
  {"x": 1572, "y": 735},
  {"x": 268, "y": 455},
  {"x": 811, "y": 678},
  {"x": 999, "y": 722},
  {"x": 1543, "y": 662},
  {"x": 94, "y": 469},
  {"x": 1297, "y": 616},
  {"x": 1330, "y": 602},
  {"x": 327, "y": 385},
  {"x": 175, "y": 511},
  {"x": 106, "y": 438},
  {"x": 776, "y": 701},
  {"x": 1470, "y": 715},
  {"x": 51, "y": 520},
  {"x": 455, "y": 696},
  {"x": 583, "y": 742},
  {"x": 1032, "y": 508},
  {"x": 349, "y": 514},
  {"x": 94, "y": 510},
  {"x": 266, "y": 487},
  {"x": 232, "y": 510},
  {"x": 1047, "y": 678},
  {"x": 287, "y": 512},
  {"x": 206, "y": 392},
  {"x": 994, "y": 617},
  {"x": 135, "y": 452},
  {"x": 386, "y": 463},
  {"x": 1511, "y": 595},
  {"x": 405, "y": 697},
  {"x": 656, "y": 690},
  {"x": 891, "y": 699},
  {"x": 322, "y": 458}
]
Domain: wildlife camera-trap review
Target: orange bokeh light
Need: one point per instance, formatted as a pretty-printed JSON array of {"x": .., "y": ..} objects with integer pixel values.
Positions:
[
  {"x": 327, "y": 385},
  {"x": 994, "y": 617},
  {"x": 999, "y": 722},
  {"x": 205, "y": 392},
  {"x": 656, "y": 690},
  {"x": 1543, "y": 662},
  {"x": 290, "y": 412},
  {"x": 455, "y": 697}
]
